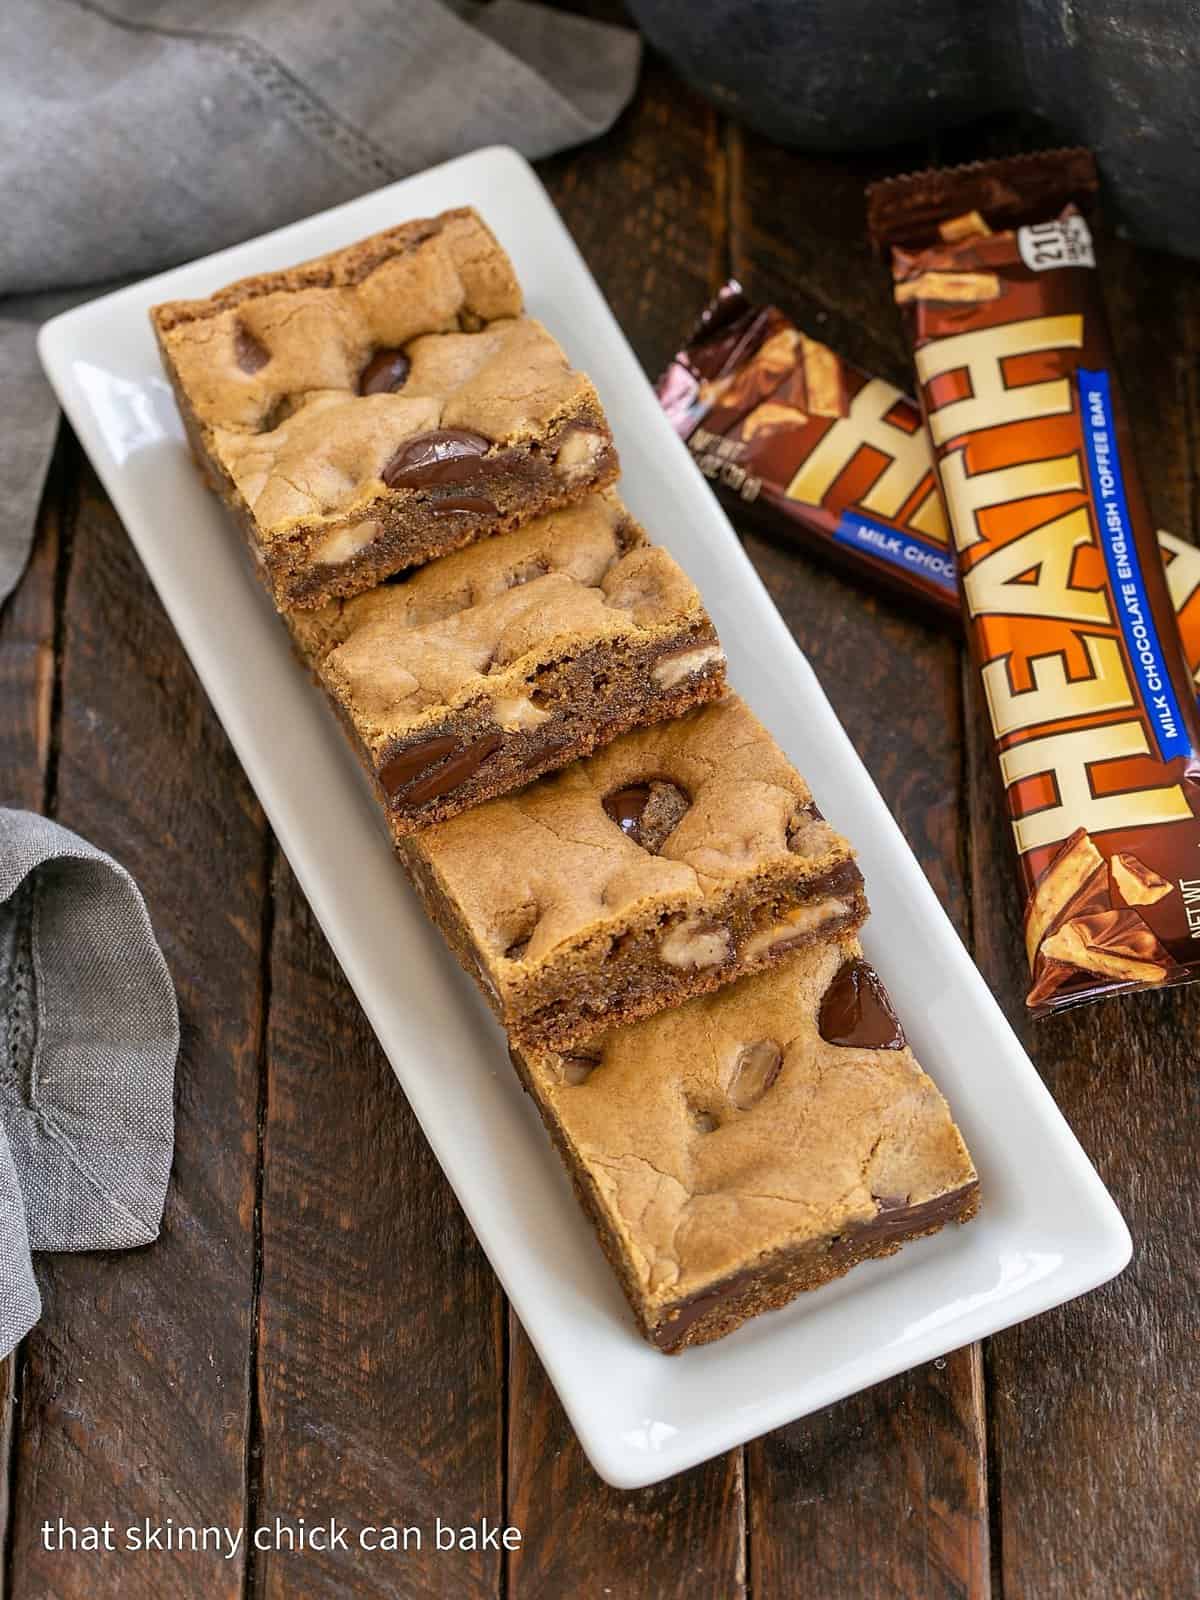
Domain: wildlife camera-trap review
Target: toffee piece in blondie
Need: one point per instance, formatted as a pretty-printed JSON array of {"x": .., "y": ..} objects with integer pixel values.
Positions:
[
  {"x": 674, "y": 859},
  {"x": 753, "y": 1143},
  {"x": 479, "y": 672},
  {"x": 366, "y": 411}
]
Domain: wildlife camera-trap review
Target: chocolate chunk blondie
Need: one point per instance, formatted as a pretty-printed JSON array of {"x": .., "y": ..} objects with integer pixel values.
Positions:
[
  {"x": 381, "y": 405},
  {"x": 479, "y": 672},
  {"x": 674, "y": 859},
  {"x": 753, "y": 1143}
]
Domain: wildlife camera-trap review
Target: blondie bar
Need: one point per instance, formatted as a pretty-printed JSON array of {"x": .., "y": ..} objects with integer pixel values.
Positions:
[
  {"x": 674, "y": 859},
  {"x": 483, "y": 670},
  {"x": 753, "y": 1143},
  {"x": 373, "y": 408}
]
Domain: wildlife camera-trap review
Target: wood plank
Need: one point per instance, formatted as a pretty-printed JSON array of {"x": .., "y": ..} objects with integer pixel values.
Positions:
[
  {"x": 798, "y": 230},
  {"x": 9, "y": 1402},
  {"x": 27, "y": 667},
  {"x": 673, "y": 1541},
  {"x": 1094, "y": 1411},
  {"x": 27, "y": 684},
  {"x": 380, "y": 1350},
  {"x": 909, "y": 1455},
  {"x": 135, "y": 1391},
  {"x": 646, "y": 207},
  {"x": 824, "y": 1491}
]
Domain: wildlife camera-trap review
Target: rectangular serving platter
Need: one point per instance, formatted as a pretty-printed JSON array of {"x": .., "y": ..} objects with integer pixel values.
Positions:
[{"x": 1047, "y": 1231}]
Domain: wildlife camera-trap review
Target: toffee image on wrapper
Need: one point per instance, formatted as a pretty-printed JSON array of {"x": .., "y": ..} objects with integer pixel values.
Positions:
[
  {"x": 860, "y": 491},
  {"x": 1067, "y": 606},
  {"x": 806, "y": 444}
]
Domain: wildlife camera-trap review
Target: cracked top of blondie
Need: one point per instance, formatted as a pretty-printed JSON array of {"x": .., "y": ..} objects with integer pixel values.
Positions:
[
  {"x": 312, "y": 327},
  {"x": 656, "y": 821},
  {"x": 727, "y": 1129},
  {"x": 476, "y": 625},
  {"x": 306, "y": 384}
]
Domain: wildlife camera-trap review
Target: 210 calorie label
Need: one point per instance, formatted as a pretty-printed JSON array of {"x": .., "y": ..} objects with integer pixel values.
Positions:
[{"x": 1065, "y": 242}]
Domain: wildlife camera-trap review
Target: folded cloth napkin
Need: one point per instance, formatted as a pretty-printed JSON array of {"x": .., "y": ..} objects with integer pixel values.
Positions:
[
  {"x": 137, "y": 134},
  {"x": 20, "y": 1302},
  {"x": 89, "y": 1033}
]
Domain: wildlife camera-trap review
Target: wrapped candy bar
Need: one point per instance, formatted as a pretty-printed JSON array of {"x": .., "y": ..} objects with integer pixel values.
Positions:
[
  {"x": 729, "y": 393},
  {"x": 1066, "y": 603},
  {"x": 812, "y": 448}
]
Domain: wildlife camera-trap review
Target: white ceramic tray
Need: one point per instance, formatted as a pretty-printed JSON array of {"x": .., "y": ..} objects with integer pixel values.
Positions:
[{"x": 1047, "y": 1230}]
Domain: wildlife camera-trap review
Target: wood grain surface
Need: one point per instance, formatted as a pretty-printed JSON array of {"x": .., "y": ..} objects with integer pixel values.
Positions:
[
  {"x": 316, "y": 1334},
  {"x": 134, "y": 1388},
  {"x": 910, "y": 1455},
  {"x": 380, "y": 1349}
]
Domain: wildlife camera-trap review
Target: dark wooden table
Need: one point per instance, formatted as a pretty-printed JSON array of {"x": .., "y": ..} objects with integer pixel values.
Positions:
[{"x": 316, "y": 1334}]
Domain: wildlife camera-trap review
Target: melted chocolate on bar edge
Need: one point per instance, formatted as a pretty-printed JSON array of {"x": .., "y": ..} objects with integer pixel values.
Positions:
[
  {"x": 442, "y": 455},
  {"x": 894, "y": 1222},
  {"x": 410, "y": 763},
  {"x": 845, "y": 878},
  {"x": 407, "y": 775},
  {"x": 475, "y": 504},
  {"x": 856, "y": 1011}
]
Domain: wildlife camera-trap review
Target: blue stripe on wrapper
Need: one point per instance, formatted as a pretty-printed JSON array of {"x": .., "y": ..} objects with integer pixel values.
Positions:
[
  {"x": 898, "y": 549},
  {"x": 1125, "y": 567}
]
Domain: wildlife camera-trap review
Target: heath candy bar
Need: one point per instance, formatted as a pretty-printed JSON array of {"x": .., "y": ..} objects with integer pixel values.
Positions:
[{"x": 1067, "y": 606}]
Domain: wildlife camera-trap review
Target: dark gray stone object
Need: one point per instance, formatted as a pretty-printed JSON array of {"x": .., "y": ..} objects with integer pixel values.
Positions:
[{"x": 1121, "y": 76}]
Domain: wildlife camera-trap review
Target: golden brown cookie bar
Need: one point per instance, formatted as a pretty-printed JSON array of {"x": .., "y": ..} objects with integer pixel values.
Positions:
[
  {"x": 388, "y": 403},
  {"x": 673, "y": 860},
  {"x": 483, "y": 670},
  {"x": 753, "y": 1143}
]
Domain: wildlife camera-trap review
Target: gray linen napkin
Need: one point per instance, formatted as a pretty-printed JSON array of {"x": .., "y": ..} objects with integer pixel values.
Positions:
[
  {"x": 20, "y": 1302},
  {"x": 89, "y": 1033},
  {"x": 141, "y": 133}
]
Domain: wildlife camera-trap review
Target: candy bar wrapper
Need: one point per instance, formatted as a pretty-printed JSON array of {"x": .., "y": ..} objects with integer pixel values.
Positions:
[
  {"x": 860, "y": 495},
  {"x": 811, "y": 447},
  {"x": 1065, "y": 600}
]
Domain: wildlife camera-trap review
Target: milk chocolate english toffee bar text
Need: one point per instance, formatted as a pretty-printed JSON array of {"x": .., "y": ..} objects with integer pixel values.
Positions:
[
  {"x": 856, "y": 482},
  {"x": 1066, "y": 602}
]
